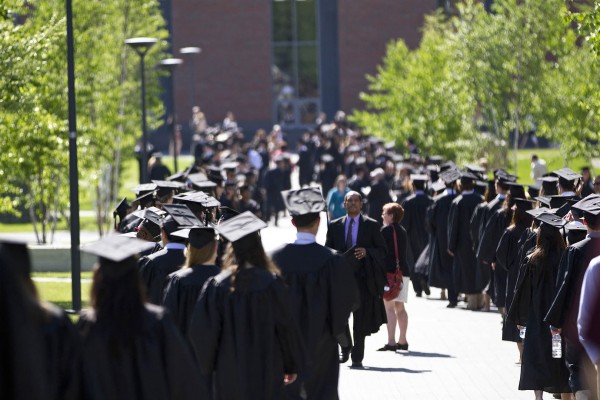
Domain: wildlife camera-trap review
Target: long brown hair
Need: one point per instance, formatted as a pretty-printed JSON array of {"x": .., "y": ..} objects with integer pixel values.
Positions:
[
  {"x": 117, "y": 297},
  {"x": 548, "y": 240},
  {"x": 248, "y": 250},
  {"x": 196, "y": 256}
]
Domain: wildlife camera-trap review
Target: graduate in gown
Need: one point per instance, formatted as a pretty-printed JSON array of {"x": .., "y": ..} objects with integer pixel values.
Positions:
[
  {"x": 415, "y": 213},
  {"x": 156, "y": 267},
  {"x": 440, "y": 267},
  {"x": 242, "y": 328},
  {"x": 460, "y": 245},
  {"x": 532, "y": 298},
  {"x": 41, "y": 351},
  {"x": 184, "y": 286},
  {"x": 322, "y": 294},
  {"x": 131, "y": 349},
  {"x": 507, "y": 258},
  {"x": 563, "y": 313}
]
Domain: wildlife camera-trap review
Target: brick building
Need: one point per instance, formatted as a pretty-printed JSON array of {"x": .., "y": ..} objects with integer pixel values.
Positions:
[{"x": 283, "y": 61}]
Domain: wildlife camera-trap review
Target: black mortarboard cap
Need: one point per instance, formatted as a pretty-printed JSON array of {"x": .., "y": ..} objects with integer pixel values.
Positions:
[
  {"x": 589, "y": 205},
  {"x": 576, "y": 226},
  {"x": 534, "y": 190},
  {"x": 121, "y": 209},
  {"x": 327, "y": 158},
  {"x": 534, "y": 212},
  {"x": 505, "y": 177},
  {"x": 475, "y": 169},
  {"x": 551, "y": 220},
  {"x": 567, "y": 174},
  {"x": 240, "y": 226},
  {"x": 149, "y": 214},
  {"x": 173, "y": 185},
  {"x": 436, "y": 160},
  {"x": 468, "y": 176},
  {"x": 180, "y": 176},
  {"x": 419, "y": 178},
  {"x": 438, "y": 186},
  {"x": 552, "y": 201},
  {"x": 214, "y": 174},
  {"x": 447, "y": 165},
  {"x": 230, "y": 166},
  {"x": 304, "y": 201},
  {"x": 183, "y": 216},
  {"x": 524, "y": 204},
  {"x": 228, "y": 212},
  {"x": 204, "y": 186},
  {"x": 563, "y": 210},
  {"x": 517, "y": 191},
  {"x": 144, "y": 188},
  {"x": 197, "y": 177},
  {"x": 197, "y": 237},
  {"x": 450, "y": 175},
  {"x": 145, "y": 200},
  {"x": 116, "y": 247}
]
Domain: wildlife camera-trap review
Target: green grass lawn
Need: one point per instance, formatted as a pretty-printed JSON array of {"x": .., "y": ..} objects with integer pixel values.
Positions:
[
  {"x": 553, "y": 158},
  {"x": 59, "y": 293}
]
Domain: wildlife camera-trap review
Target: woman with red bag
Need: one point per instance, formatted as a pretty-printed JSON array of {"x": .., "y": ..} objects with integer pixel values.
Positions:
[{"x": 396, "y": 241}]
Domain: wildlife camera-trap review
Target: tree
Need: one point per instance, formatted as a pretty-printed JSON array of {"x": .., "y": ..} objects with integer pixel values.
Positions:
[{"x": 108, "y": 100}]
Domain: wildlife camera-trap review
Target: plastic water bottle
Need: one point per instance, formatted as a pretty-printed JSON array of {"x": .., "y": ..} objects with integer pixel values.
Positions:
[
  {"x": 522, "y": 332},
  {"x": 556, "y": 346}
]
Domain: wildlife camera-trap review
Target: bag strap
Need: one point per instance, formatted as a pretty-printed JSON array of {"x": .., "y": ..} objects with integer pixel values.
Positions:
[{"x": 396, "y": 247}]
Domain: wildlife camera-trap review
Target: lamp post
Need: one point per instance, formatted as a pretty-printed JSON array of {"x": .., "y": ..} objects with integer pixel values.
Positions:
[
  {"x": 191, "y": 51},
  {"x": 141, "y": 45},
  {"x": 170, "y": 64}
]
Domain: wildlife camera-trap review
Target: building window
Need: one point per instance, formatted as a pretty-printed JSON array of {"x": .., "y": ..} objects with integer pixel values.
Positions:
[{"x": 295, "y": 69}]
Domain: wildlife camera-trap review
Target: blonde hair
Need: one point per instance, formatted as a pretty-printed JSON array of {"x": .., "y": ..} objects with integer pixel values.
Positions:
[{"x": 200, "y": 255}]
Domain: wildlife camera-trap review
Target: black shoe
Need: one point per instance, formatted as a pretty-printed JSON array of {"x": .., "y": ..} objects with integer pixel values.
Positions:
[
  {"x": 388, "y": 347},
  {"x": 357, "y": 365},
  {"x": 451, "y": 305},
  {"x": 402, "y": 346},
  {"x": 345, "y": 354},
  {"x": 426, "y": 287},
  {"x": 419, "y": 294}
]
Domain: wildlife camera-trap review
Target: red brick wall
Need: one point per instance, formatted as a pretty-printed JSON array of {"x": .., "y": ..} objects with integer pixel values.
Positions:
[
  {"x": 233, "y": 70},
  {"x": 364, "y": 32}
]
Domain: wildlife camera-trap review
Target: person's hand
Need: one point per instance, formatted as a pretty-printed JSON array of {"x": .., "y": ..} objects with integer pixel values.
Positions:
[
  {"x": 360, "y": 253},
  {"x": 569, "y": 217},
  {"x": 555, "y": 331},
  {"x": 493, "y": 265},
  {"x": 289, "y": 378},
  {"x": 451, "y": 253}
]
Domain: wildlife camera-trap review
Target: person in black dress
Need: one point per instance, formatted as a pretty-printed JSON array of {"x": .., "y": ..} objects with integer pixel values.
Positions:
[
  {"x": 415, "y": 214},
  {"x": 532, "y": 297},
  {"x": 322, "y": 292},
  {"x": 156, "y": 267},
  {"x": 460, "y": 245},
  {"x": 183, "y": 287},
  {"x": 440, "y": 263},
  {"x": 131, "y": 349},
  {"x": 242, "y": 329},
  {"x": 392, "y": 231},
  {"x": 507, "y": 259}
]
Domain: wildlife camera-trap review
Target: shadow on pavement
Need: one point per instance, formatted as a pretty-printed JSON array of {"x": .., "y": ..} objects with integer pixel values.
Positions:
[
  {"x": 405, "y": 370},
  {"x": 425, "y": 355}
]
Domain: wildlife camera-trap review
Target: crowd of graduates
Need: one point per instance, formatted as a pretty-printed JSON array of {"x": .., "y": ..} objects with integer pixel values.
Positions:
[{"x": 204, "y": 312}]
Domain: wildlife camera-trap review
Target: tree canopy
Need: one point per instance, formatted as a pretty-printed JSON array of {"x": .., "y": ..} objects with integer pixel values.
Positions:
[{"x": 480, "y": 76}]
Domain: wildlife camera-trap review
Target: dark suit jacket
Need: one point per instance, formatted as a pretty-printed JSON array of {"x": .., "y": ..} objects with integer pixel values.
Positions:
[{"x": 369, "y": 236}]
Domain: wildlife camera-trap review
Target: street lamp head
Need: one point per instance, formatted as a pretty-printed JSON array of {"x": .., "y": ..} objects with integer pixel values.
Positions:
[
  {"x": 170, "y": 63},
  {"x": 190, "y": 50},
  {"x": 141, "y": 44}
]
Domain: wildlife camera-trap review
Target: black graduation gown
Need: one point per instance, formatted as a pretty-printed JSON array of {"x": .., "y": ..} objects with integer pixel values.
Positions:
[
  {"x": 273, "y": 184},
  {"x": 460, "y": 244},
  {"x": 377, "y": 198},
  {"x": 246, "y": 338},
  {"x": 182, "y": 290},
  {"x": 440, "y": 263},
  {"x": 479, "y": 221},
  {"x": 129, "y": 223},
  {"x": 322, "y": 292},
  {"x": 414, "y": 221},
  {"x": 157, "y": 365},
  {"x": 565, "y": 307},
  {"x": 156, "y": 267},
  {"x": 507, "y": 258},
  {"x": 533, "y": 296},
  {"x": 527, "y": 243},
  {"x": 494, "y": 229}
]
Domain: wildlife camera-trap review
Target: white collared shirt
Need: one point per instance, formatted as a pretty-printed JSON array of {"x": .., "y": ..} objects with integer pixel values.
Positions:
[
  {"x": 565, "y": 194},
  {"x": 175, "y": 246},
  {"x": 305, "y": 238},
  {"x": 468, "y": 192}
]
